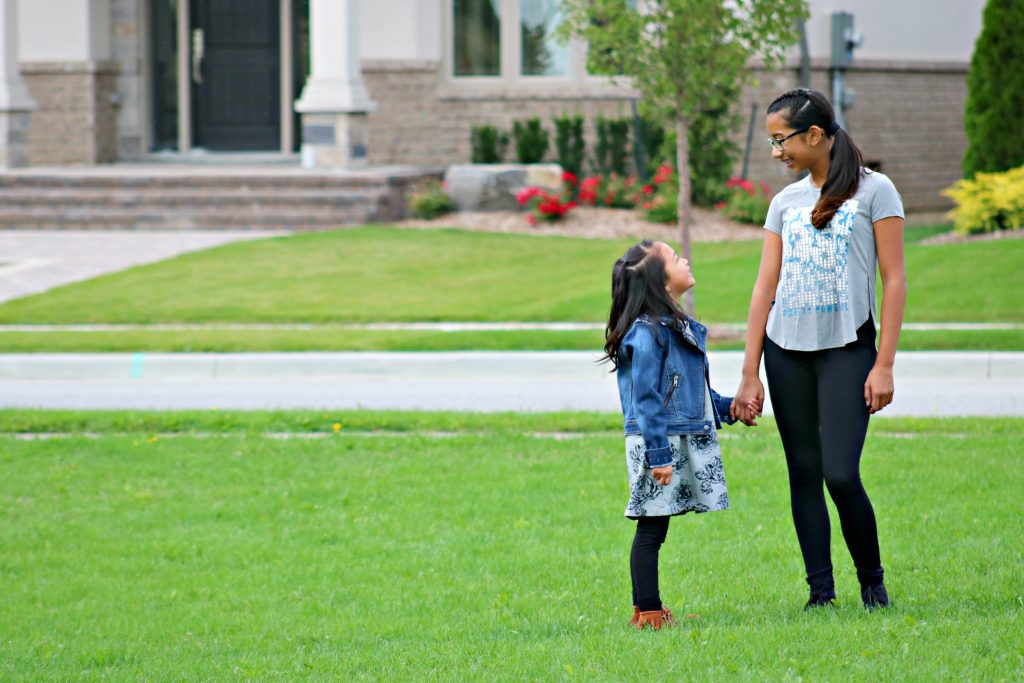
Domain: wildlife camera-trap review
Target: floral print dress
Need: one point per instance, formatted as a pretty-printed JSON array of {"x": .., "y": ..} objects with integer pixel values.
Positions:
[{"x": 698, "y": 478}]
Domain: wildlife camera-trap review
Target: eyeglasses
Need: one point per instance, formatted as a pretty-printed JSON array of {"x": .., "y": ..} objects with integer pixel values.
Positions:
[{"x": 778, "y": 142}]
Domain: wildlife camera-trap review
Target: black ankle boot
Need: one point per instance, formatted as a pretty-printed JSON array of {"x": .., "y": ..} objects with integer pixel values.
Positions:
[
  {"x": 821, "y": 599},
  {"x": 823, "y": 589},
  {"x": 874, "y": 597}
]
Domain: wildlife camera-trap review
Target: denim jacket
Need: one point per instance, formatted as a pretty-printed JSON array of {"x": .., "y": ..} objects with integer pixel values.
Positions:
[{"x": 662, "y": 371}]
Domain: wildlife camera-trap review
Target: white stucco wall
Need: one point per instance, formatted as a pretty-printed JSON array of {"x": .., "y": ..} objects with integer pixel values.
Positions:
[
  {"x": 914, "y": 30},
  {"x": 63, "y": 30},
  {"x": 401, "y": 29}
]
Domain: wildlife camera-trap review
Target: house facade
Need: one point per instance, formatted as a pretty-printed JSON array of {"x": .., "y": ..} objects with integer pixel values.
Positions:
[{"x": 349, "y": 83}]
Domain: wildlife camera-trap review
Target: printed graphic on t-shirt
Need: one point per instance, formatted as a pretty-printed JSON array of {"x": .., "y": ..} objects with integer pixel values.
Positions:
[{"x": 813, "y": 277}]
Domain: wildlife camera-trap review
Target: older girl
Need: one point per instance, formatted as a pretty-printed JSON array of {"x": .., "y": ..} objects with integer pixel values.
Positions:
[{"x": 813, "y": 313}]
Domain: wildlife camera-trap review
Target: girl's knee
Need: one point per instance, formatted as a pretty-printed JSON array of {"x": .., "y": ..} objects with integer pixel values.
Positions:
[
  {"x": 805, "y": 472},
  {"x": 842, "y": 482}
]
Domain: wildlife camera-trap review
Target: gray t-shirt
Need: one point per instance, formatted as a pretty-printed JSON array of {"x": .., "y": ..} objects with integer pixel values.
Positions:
[{"x": 827, "y": 282}]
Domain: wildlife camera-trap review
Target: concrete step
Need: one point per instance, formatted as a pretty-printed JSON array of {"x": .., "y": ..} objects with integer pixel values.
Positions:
[
  {"x": 201, "y": 197},
  {"x": 205, "y": 181},
  {"x": 108, "y": 218},
  {"x": 15, "y": 199}
]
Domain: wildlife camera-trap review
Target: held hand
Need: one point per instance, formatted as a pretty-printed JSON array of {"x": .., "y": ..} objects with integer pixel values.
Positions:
[
  {"x": 662, "y": 475},
  {"x": 745, "y": 413},
  {"x": 878, "y": 389},
  {"x": 749, "y": 400}
]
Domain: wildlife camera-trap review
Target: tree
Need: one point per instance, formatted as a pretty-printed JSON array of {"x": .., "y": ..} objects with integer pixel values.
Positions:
[
  {"x": 995, "y": 92},
  {"x": 685, "y": 57}
]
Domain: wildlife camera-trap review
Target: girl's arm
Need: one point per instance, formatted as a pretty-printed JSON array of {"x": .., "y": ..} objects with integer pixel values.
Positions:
[
  {"x": 645, "y": 351},
  {"x": 751, "y": 391},
  {"x": 878, "y": 389},
  {"x": 723, "y": 404}
]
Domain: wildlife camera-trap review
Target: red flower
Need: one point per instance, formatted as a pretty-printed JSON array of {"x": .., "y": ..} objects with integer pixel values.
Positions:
[
  {"x": 745, "y": 184},
  {"x": 648, "y": 190},
  {"x": 720, "y": 205},
  {"x": 569, "y": 178},
  {"x": 663, "y": 175},
  {"x": 531, "y": 219},
  {"x": 647, "y": 205},
  {"x": 526, "y": 194}
]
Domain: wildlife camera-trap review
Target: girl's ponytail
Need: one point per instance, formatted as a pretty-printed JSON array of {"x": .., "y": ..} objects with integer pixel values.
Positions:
[
  {"x": 804, "y": 108},
  {"x": 844, "y": 169}
]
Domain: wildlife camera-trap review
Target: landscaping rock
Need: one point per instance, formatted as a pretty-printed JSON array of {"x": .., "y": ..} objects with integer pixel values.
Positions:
[{"x": 493, "y": 187}]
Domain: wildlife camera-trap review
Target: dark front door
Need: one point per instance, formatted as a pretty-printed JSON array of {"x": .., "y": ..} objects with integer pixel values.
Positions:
[{"x": 236, "y": 74}]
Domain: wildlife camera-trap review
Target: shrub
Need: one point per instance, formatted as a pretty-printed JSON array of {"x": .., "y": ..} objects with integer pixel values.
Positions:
[
  {"x": 989, "y": 202},
  {"x": 659, "y": 201},
  {"x": 746, "y": 204},
  {"x": 543, "y": 205},
  {"x": 612, "y": 146},
  {"x": 612, "y": 191},
  {"x": 994, "y": 107},
  {"x": 569, "y": 143},
  {"x": 651, "y": 145},
  {"x": 531, "y": 141},
  {"x": 712, "y": 157},
  {"x": 431, "y": 201},
  {"x": 488, "y": 144}
]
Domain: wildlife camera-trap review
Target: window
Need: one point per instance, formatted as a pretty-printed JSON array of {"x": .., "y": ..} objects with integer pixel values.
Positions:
[
  {"x": 541, "y": 54},
  {"x": 477, "y": 37},
  {"x": 509, "y": 46}
]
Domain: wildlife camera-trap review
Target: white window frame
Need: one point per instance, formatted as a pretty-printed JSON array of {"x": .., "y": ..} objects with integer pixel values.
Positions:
[{"x": 511, "y": 82}]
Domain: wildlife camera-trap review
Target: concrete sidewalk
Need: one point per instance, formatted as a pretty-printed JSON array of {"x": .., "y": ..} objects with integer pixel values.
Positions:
[
  {"x": 33, "y": 261},
  {"x": 927, "y": 383}
]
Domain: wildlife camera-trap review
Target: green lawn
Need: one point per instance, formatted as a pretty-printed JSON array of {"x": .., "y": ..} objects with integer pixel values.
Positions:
[
  {"x": 382, "y": 274},
  {"x": 198, "y": 546}
]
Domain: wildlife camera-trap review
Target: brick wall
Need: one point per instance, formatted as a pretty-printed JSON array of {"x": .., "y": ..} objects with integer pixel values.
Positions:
[
  {"x": 419, "y": 123},
  {"x": 907, "y": 116},
  {"x": 75, "y": 120}
]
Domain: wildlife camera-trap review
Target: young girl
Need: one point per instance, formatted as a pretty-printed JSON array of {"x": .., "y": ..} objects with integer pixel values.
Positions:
[
  {"x": 670, "y": 413},
  {"x": 813, "y": 313}
]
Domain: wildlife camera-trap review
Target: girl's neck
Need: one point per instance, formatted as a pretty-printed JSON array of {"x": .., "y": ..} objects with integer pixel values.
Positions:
[{"x": 819, "y": 173}]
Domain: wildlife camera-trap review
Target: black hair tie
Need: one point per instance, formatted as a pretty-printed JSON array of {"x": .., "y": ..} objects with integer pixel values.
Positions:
[{"x": 833, "y": 128}]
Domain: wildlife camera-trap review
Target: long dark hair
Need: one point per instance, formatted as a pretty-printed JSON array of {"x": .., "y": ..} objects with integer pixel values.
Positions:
[
  {"x": 638, "y": 287},
  {"x": 803, "y": 108}
]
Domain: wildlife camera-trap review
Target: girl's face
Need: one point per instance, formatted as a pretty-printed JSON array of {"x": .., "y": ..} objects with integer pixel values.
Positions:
[
  {"x": 678, "y": 277},
  {"x": 800, "y": 152}
]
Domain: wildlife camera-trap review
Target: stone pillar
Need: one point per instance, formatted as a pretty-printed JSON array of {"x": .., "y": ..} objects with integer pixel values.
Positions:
[
  {"x": 334, "y": 103},
  {"x": 15, "y": 101}
]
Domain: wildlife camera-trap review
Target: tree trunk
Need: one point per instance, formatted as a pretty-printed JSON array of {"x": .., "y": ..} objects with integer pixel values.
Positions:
[{"x": 683, "y": 210}]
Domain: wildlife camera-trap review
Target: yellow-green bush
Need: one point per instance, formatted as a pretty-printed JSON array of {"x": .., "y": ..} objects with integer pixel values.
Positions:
[{"x": 988, "y": 203}]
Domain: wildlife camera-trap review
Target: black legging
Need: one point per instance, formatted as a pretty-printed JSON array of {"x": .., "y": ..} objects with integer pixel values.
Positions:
[
  {"x": 818, "y": 399},
  {"x": 643, "y": 561}
]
